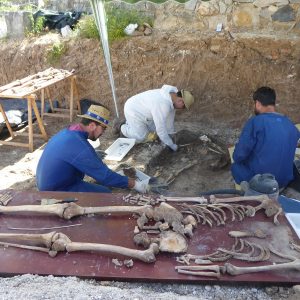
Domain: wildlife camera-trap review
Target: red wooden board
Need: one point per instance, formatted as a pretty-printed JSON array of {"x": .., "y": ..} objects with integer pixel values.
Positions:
[{"x": 118, "y": 230}]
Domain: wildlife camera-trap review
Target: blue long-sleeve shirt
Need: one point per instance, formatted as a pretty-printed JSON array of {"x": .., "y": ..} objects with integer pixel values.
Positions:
[
  {"x": 67, "y": 157},
  {"x": 267, "y": 145}
]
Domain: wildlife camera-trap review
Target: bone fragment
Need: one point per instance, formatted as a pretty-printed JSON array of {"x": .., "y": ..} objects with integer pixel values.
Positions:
[
  {"x": 259, "y": 198},
  {"x": 153, "y": 231},
  {"x": 128, "y": 263},
  {"x": 164, "y": 212},
  {"x": 60, "y": 242},
  {"x": 270, "y": 207},
  {"x": 42, "y": 249},
  {"x": 116, "y": 262},
  {"x": 200, "y": 200},
  {"x": 207, "y": 271},
  {"x": 5, "y": 198},
  {"x": 295, "y": 246},
  {"x": 164, "y": 226},
  {"x": 70, "y": 210},
  {"x": 44, "y": 239},
  {"x": 43, "y": 228},
  {"x": 145, "y": 256},
  {"x": 168, "y": 241},
  {"x": 239, "y": 234},
  {"x": 173, "y": 176},
  {"x": 190, "y": 220},
  {"x": 234, "y": 270},
  {"x": 152, "y": 227},
  {"x": 173, "y": 242},
  {"x": 188, "y": 230},
  {"x": 142, "y": 239},
  {"x": 199, "y": 261}
]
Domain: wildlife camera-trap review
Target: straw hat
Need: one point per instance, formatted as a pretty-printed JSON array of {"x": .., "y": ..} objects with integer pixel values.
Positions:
[
  {"x": 188, "y": 98},
  {"x": 98, "y": 114}
]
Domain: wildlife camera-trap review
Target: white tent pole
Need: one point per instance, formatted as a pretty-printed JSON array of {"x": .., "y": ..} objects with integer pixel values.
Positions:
[{"x": 100, "y": 18}]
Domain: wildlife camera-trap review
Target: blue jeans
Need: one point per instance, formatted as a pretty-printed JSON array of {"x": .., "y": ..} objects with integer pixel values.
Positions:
[
  {"x": 83, "y": 186},
  {"x": 241, "y": 172}
]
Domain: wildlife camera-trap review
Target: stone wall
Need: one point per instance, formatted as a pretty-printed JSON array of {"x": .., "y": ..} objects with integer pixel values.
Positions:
[
  {"x": 247, "y": 15},
  {"x": 196, "y": 15}
]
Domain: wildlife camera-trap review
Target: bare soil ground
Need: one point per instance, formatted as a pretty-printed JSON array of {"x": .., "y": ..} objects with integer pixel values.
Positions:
[{"x": 203, "y": 159}]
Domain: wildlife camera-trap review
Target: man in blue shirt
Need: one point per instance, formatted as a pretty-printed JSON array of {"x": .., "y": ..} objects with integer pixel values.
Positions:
[
  {"x": 267, "y": 143},
  {"x": 68, "y": 157}
]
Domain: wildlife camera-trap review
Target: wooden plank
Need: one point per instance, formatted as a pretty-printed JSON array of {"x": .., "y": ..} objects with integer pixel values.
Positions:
[
  {"x": 71, "y": 98},
  {"x": 39, "y": 120},
  {"x": 42, "y": 103},
  {"x": 26, "y": 134},
  {"x": 49, "y": 99},
  {"x": 57, "y": 115},
  {"x": 33, "y": 89},
  {"x": 30, "y": 129},
  {"x": 77, "y": 95},
  {"x": 64, "y": 109},
  {"x": 9, "y": 143}
]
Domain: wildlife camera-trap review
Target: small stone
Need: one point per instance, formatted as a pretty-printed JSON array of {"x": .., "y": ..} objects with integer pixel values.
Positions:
[
  {"x": 284, "y": 14},
  {"x": 217, "y": 287},
  {"x": 296, "y": 289},
  {"x": 208, "y": 288},
  {"x": 271, "y": 290}
]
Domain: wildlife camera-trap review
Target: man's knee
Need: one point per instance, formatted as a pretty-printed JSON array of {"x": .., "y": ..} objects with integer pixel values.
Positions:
[{"x": 240, "y": 173}]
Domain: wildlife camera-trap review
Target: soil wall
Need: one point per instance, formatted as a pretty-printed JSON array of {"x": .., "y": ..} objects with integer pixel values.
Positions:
[{"x": 222, "y": 70}]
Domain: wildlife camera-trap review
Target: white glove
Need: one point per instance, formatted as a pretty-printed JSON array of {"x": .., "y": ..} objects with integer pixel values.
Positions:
[
  {"x": 141, "y": 186},
  {"x": 174, "y": 147}
]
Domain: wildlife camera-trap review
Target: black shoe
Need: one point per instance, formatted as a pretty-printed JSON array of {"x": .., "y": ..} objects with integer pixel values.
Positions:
[{"x": 117, "y": 123}]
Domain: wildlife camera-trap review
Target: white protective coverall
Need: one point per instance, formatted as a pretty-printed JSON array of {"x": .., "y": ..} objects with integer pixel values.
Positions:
[{"x": 150, "y": 111}]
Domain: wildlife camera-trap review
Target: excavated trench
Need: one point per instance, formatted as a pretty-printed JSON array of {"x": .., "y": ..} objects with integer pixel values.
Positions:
[{"x": 222, "y": 70}]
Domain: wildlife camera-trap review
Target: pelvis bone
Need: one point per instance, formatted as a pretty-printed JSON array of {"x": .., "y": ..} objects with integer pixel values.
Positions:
[{"x": 168, "y": 241}]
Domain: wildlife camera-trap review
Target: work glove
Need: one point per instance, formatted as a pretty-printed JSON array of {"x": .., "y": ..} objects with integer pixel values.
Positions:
[
  {"x": 151, "y": 137},
  {"x": 141, "y": 187},
  {"x": 101, "y": 154},
  {"x": 174, "y": 147}
]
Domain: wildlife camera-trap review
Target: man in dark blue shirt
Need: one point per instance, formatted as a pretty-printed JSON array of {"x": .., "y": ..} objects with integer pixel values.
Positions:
[
  {"x": 267, "y": 143},
  {"x": 68, "y": 157}
]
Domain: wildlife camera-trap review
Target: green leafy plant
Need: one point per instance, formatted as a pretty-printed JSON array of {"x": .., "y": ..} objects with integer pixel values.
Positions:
[
  {"x": 117, "y": 20},
  {"x": 36, "y": 26},
  {"x": 55, "y": 53},
  {"x": 87, "y": 28}
]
